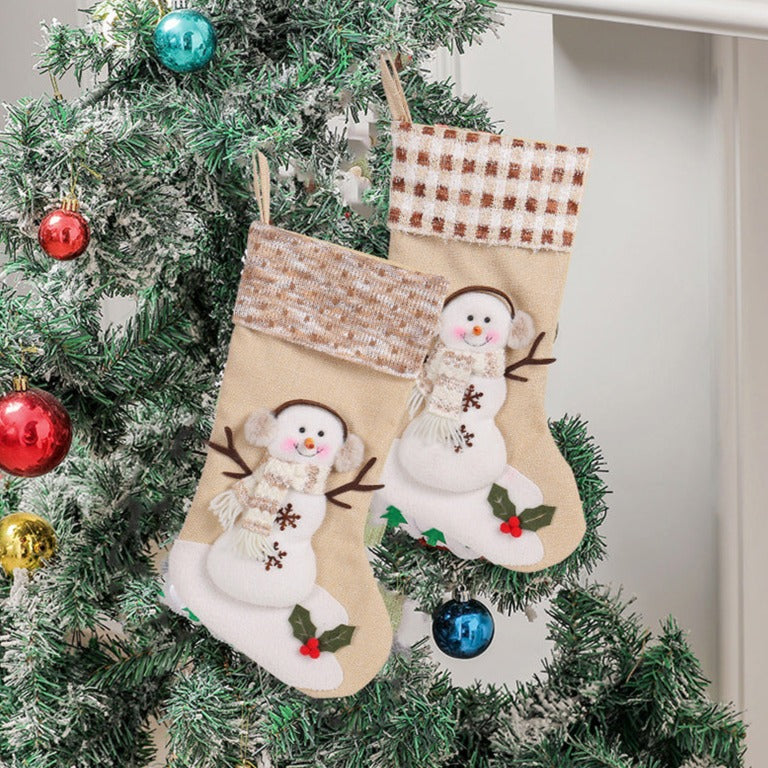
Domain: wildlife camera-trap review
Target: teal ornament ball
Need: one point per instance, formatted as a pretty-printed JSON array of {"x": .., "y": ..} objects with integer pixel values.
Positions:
[
  {"x": 185, "y": 40},
  {"x": 462, "y": 628}
]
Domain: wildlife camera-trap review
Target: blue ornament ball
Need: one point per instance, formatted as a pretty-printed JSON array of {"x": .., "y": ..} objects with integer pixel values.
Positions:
[
  {"x": 462, "y": 628},
  {"x": 184, "y": 40}
]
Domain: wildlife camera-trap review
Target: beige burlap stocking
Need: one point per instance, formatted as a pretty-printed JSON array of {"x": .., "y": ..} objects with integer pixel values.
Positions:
[
  {"x": 475, "y": 468},
  {"x": 326, "y": 346}
]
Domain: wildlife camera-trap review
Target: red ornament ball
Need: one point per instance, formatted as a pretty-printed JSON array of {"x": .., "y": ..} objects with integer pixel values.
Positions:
[
  {"x": 35, "y": 431},
  {"x": 64, "y": 234}
]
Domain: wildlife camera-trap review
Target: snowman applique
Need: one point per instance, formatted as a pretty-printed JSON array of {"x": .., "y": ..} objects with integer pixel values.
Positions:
[
  {"x": 255, "y": 586},
  {"x": 265, "y": 556},
  {"x": 446, "y": 479}
]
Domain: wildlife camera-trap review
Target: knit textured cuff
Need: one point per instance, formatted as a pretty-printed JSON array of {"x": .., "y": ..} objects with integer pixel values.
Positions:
[
  {"x": 338, "y": 301},
  {"x": 485, "y": 188}
]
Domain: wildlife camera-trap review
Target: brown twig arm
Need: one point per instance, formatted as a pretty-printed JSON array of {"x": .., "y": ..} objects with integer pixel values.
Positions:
[
  {"x": 529, "y": 359},
  {"x": 231, "y": 452},
  {"x": 353, "y": 485}
]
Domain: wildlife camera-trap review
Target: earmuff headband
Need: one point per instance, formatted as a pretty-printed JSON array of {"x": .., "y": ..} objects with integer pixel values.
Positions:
[
  {"x": 482, "y": 289},
  {"x": 283, "y": 406}
]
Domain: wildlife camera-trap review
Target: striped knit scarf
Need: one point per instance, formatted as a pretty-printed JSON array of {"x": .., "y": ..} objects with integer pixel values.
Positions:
[
  {"x": 256, "y": 500},
  {"x": 442, "y": 382}
]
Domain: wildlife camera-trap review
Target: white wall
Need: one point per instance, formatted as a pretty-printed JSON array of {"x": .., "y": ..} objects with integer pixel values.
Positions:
[{"x": 637, "y": 335}]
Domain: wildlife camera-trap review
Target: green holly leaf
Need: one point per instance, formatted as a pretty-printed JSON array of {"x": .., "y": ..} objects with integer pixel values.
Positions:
[
  {"x": 191, "y": 615},
  {"x": 338, "y": 637},
  {"x": 394, "y": 517},
  {"x": 433, "y": 537},
  {"x": 538, "y": 517},
  {"x": 301, "y": 623},
  {"x": 501, "y": 504}
]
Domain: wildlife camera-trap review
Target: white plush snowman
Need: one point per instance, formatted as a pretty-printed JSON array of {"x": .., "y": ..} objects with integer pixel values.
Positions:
[
  {"x": 440, "y": 473},
  {"x": 454, "y": 443},
  {"x": 265, "y": 556}
]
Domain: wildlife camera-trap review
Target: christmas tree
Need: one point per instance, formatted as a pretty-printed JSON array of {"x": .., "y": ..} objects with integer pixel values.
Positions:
[{"x": 92, "y": 656}]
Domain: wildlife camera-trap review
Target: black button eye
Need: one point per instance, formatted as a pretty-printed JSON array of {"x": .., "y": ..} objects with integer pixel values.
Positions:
[
  {"x": 470, "y": 318},
  {"x": 487, "y": 319},
  {"x": 320, "y": 433},
  {"x": 302, "y": 430}
]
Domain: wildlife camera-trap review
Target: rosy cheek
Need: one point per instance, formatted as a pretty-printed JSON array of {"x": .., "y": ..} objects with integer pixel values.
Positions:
[
  {"x": 492, "y": 336},
  {"x": 288, "y": 445},
  {"x": 459, "y": 332},
  {"x": 323, "y": 449}
]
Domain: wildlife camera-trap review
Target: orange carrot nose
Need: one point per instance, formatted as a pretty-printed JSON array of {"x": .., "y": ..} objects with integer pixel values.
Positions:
[
  {"x": 309, "y": 443},
  {"x": 477, "y": 330}
]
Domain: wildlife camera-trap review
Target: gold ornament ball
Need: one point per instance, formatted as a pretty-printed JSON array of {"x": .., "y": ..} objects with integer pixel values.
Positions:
[{"x": 26, "y": 541}]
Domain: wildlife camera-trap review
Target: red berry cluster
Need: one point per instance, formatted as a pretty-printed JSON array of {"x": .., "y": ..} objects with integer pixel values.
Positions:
[
  {"x": 311, "y": 648},
  {"x": 512, "y": 526}
]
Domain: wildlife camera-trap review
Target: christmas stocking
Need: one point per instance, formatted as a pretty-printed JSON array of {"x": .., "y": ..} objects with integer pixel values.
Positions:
[
  {"x": 476, "y": 469},
  {"x": 271, "y": 557}
]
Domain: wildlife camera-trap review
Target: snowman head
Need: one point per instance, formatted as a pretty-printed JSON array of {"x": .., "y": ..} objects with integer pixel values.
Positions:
[
  {"x": 305, "y": 432},
  {"x": 484, "y": 319}
]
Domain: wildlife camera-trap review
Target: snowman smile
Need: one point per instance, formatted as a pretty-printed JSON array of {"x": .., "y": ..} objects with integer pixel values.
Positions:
[
  {"x": 302, "y": 451},
  {"x": 478, "y": 343}
]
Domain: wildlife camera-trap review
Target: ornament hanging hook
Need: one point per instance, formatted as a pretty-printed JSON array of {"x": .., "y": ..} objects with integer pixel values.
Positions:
[
  {"x": 57, "y": 94},
  {"x": 244, "y": 762},
  {"x": 161, "y": 8},
  {"x": 261, "y": 185},
  {"x": 70, "y": 201},
  {"x": 20, "y": 380},
  {"x": 23, "y": 352}
]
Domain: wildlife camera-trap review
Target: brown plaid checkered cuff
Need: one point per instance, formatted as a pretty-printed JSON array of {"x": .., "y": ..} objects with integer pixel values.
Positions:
[
  {"x": 337, "y": 301},
  {"x": 481, "y": 187}
]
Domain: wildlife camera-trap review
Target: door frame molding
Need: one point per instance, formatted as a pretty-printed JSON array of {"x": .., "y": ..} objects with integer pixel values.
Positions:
[{"x": 738, "y": 18}]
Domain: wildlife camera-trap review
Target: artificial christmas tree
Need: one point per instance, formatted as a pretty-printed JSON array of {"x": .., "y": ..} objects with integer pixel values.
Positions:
[{"x": 90, "y": 654}]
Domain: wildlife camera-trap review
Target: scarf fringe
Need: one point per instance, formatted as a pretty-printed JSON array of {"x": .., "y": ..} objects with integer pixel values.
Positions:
[
  {"x": 227, "y": 508},
  {"x": 416, "y": 400},
  {"x": 251, "y": 543},
  {"x": 433, "y": 428}
]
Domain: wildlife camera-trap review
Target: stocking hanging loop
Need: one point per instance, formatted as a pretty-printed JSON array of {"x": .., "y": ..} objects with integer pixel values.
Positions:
[
  {"x": 261, "y": 185},
  {"x": 393, "y": 88}
]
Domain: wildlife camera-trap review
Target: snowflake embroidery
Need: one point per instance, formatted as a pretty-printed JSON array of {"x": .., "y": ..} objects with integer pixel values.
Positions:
[
  {"x": 286, "y": 517},
  {"x": 471, "y": 399},
  {"x": 275, "y": 561},
  {"x": 467, "y": 442}
]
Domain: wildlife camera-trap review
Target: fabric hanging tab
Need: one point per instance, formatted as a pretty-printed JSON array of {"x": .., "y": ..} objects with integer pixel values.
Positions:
[
  {"x": 393, "y": 88},
  {"x": 261, "y": 185}
]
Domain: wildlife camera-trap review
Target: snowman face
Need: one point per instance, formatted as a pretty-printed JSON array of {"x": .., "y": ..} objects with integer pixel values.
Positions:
[
  {"x": 307, "y": 434},
  {"x": 475, "y": 320}
]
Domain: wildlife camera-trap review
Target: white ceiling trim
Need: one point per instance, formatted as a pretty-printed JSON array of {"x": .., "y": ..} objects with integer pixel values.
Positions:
[{"x": 740, "y": 18}]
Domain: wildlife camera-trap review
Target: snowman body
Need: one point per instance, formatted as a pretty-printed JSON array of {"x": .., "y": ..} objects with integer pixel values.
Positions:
[
  {"x": 479, "y": 324},
  {"x": 474, "y": 464},
  {"x": 288, "y": 573},
  {"x": 302, "y": 435},
  {"x": 441, "y": 485}
]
